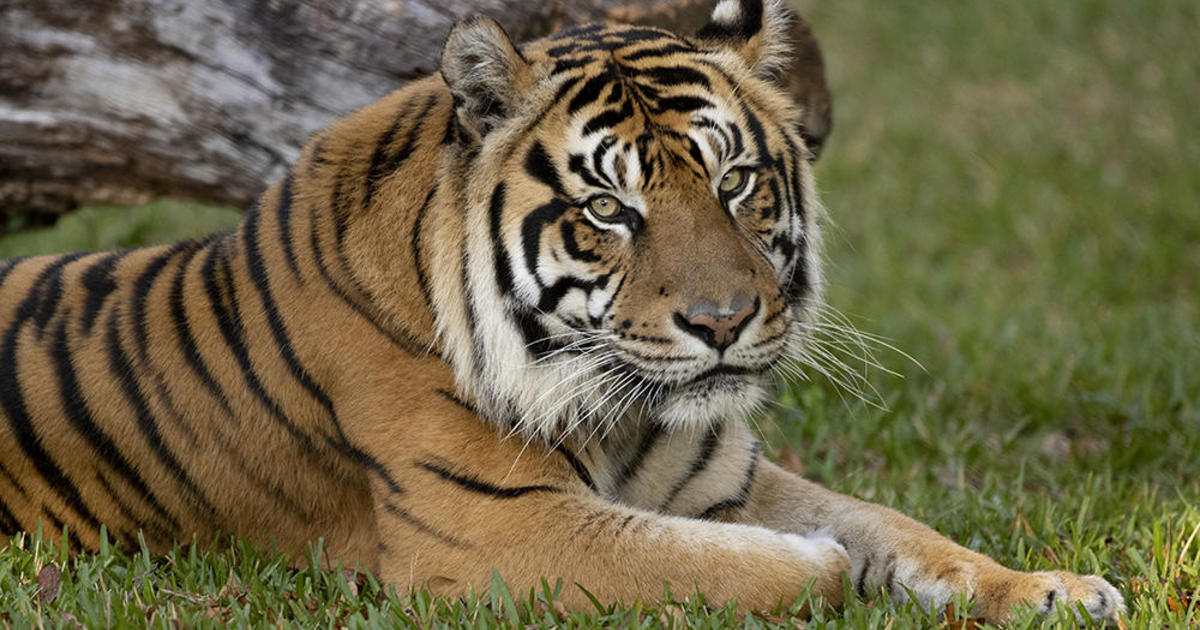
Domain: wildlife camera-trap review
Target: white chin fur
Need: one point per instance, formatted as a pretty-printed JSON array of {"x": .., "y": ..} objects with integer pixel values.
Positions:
[{"x": 692, "y": 408}]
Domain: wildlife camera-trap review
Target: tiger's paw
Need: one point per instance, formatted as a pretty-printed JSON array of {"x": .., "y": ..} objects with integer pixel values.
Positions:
[{"x": 1047, "y": 591}]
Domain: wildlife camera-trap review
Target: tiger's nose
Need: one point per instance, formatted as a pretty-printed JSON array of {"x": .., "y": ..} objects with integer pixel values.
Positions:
[{"x": 716, "y": 326}]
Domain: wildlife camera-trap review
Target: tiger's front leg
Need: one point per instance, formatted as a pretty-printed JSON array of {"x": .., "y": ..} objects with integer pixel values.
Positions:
[
  {"x": 453, "y": 500},
  {"x": 891, "y": 551}
]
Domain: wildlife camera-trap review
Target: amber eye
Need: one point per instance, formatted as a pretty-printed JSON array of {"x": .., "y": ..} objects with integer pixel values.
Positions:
[
  {"x": 605, "y": 207},
  {"x": 733, "y": 181}
]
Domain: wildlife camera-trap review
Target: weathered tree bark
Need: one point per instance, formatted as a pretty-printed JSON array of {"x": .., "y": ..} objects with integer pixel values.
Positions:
[{"x": 119, "y": 101}]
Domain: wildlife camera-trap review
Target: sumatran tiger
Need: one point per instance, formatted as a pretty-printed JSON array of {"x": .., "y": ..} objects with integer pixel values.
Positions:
[{"x": 511, "y": 316}]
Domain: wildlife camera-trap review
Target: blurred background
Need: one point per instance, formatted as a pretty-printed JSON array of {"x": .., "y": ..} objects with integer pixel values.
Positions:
[{"x": 1014, "y": 200}]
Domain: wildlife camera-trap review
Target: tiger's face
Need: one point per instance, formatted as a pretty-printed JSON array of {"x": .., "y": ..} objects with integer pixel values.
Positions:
[{"x": 650, "y": 220}]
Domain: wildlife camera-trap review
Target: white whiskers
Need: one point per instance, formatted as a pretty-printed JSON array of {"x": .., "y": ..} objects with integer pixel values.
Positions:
[{"x": 830, "y": 345}]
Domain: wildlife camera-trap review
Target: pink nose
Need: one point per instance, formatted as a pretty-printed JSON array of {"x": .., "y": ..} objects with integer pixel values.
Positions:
[{"x": 716, "y": 326}]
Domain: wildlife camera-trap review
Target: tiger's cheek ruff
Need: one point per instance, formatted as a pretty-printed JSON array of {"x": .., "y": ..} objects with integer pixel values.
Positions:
[
  {"x": 804, "y": 285},
  {"x": 494, "y": 347}
]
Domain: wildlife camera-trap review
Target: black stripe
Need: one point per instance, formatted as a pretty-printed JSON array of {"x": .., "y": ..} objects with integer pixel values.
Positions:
[
  {"x": 540, "y": 166},
  {"x": 657, "y": 51},
  {"x": 423, "y": 527},
  {"x": 383, "y": 164},
  {"x": 8, "y": 266},
  {"x": 726, "y": 142},
  {"x": 418, "y": 264},
  {"x": 80, "y": 417},
  {"x": 407, "y": 345},
  {"x": 187, "y": 340},
  {"x": 98, "y": 284},
  {"x": 676, "y": 75},
  {"x": 631, "y": 35},
  {"x": 890, "y": 580},
  {"x": 283, "y": 213},
  {"x": 127, "y": 512},
  {"x": 533, "y": 333},
  {"x": 229, "y": 322},
  {"x": 577, "y": 164},
  {"x": 707, "y": 448},
  {"x": 645, "y": 445},
  {"x": 567, "y": 229},
  {"x": 566, "y": 65},
  {"x": 57, "y": 528},
  {"x": 554, "y": 293},
  {"x": 405, "y": 151},
  {"x": 616, "y": 94},
  {"x": 271, "y": 485},
  {"x": 451, "y": 134},
  {"x": 259, "y": 277},
  {"x": 860, "y": 585},
  {"x": 697, "y": 157},
  {"x": 12, "y": 400},
  {"x": 141, "y": 290},
  {"x": 48, "y": 290},
  {"x": 450, "y": 396},
  {"x": 531, "y": 230},
  {"x": 474, "y": 484},
  {"x": 503, "y": 264},
  {"x": 757, "y": 131},
  {"x": 9, "y": 524},
  {"x": 12, "y": 479},
  {"x": 684, "y": 104},
  {"x": 340, "y": 211},
  {"x": 598, "y": 156},
  {"x": 607, "y": 119},
  {"x": 739, "y": 142},
  {"x": 743, "y": 494},
  {"x": 772, "y": 210},
  {"x": 584, "y": 475},
  {"x": 375, "y": 171},
  {"x": 590, "y": 91},
  {"x": 120, "y": 367},
  {"x": 567, "y": 84},
  {"x": 142, "y": 287}
]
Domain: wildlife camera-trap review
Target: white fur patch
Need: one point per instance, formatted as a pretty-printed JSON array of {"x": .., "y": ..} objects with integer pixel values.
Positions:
[
  {"x": 817, "y": 547},
  {"x": 727, "y": 12}
]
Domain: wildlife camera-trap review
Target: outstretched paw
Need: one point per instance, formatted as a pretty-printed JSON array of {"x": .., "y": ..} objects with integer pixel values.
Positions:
[{"x": 1048, "y": 591}]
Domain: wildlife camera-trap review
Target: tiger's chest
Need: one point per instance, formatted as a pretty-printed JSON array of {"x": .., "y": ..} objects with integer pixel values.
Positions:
[{"x": 683, "y": 472}]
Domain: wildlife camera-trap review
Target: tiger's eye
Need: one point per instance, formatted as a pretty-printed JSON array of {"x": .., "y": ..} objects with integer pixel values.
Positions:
[
  {"x": 732, "y": 180},
  {"x": 605, "y": 207}
]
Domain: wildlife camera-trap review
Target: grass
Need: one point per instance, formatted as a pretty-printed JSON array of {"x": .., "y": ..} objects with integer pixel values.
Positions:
[
  {"x": 116, "y": 227},
  {"x": 1016, "y": 193}
]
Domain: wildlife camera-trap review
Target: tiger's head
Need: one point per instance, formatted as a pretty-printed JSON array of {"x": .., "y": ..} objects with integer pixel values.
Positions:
[{"x": 642, "y": 227}]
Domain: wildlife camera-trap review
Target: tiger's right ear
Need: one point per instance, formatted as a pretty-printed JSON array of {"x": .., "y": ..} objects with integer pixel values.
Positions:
[{"x": 486, "y": 74}]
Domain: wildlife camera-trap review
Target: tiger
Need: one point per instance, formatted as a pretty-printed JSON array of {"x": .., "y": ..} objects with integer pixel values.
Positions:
[{"x": 515, "y": 316}]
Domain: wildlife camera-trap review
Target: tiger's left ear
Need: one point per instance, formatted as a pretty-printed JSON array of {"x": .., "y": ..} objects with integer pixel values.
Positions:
[
  {"x": 486, "y": 74},
  {"x": 757, "y": 30}
]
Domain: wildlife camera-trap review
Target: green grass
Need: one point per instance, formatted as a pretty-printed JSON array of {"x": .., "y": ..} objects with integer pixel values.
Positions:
[
  {"x": 115, "y": 227},
  {"x": 1015, "y": 189}
]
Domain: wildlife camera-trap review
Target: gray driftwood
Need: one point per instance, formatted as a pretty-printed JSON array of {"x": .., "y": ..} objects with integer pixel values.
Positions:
[{"x": 119, "y": 101}]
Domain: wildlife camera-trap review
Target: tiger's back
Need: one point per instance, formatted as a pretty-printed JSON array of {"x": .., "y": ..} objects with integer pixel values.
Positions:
[{"x": 186, "y": 390}]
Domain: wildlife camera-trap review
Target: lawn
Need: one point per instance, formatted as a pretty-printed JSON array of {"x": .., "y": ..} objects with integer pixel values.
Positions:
[{"x": 1015, "y": 199}]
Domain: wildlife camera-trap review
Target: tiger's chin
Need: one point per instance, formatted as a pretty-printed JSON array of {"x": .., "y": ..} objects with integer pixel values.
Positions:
[{"x": 710, "y": 400}]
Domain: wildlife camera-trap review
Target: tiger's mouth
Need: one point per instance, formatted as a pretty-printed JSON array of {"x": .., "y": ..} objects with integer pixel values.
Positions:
[{"x": 709, "y": 385}]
